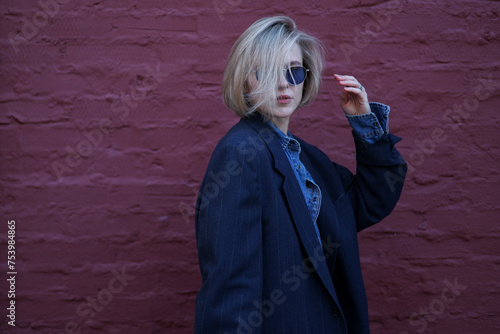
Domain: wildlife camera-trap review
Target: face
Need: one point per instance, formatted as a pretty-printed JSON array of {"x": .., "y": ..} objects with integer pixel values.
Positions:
[{"x": 289, "y": 96}]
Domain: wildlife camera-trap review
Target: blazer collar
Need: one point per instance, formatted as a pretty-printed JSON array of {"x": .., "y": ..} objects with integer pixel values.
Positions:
[
  {"x": 288, "y": 140},
  {"x": 296, "y": 202}
]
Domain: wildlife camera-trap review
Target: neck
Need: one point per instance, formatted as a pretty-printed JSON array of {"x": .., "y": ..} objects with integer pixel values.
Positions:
[{"x": 281, "y": 123}]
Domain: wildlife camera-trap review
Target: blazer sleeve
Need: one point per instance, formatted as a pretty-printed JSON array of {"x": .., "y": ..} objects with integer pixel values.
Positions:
[
  {"x": 379, "y": 179},
  {"x": 229, "y": 239}
]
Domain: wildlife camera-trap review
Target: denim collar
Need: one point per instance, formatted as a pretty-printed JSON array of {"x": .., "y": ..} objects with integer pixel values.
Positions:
[{"x": 287, "y": 141}]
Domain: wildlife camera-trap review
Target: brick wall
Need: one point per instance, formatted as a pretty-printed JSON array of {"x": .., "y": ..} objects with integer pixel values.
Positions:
[{"x": 110, "y": 111}]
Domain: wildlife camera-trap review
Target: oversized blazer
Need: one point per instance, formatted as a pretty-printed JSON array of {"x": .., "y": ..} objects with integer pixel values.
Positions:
[{"x": 262, "y": 266}]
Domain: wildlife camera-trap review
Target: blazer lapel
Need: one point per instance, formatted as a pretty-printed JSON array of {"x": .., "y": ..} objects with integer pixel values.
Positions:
[
  {"x": 296, "y": 202},
  {"x": 328, "y": 223}
]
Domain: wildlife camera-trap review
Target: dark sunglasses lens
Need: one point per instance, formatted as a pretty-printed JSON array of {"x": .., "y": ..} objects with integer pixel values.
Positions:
[{"x": 296, "y": 75}]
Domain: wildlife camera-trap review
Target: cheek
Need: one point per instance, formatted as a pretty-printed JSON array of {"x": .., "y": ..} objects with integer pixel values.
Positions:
[{"x": 299, "y": 91}]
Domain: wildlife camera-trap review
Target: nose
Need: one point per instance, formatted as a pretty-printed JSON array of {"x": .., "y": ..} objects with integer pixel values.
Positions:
[{"x": 283, "y": 83}]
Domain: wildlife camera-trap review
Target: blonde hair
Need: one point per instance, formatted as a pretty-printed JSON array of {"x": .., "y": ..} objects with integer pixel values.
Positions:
[{"x": 264, "y": 46}]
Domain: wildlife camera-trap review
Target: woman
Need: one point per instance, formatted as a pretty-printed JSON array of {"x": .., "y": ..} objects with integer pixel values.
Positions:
[{"x": 276, "y": 220}]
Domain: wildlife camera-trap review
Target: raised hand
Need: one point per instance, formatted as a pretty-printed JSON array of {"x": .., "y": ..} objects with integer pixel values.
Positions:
[{"x": 354, "y": 99}]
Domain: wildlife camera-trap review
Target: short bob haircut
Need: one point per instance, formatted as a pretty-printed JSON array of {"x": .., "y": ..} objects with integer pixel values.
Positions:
[{"x": 263, "y": 46}]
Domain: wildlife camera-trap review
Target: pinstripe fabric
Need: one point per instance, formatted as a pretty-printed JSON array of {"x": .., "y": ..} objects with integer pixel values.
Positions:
[
  {"x": 262, "y": 267},
  {"x": 310, "y": 190}
]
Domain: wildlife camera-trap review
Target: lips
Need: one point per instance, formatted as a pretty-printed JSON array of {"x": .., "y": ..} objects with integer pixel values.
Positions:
[{"x": 284, "y": 99}]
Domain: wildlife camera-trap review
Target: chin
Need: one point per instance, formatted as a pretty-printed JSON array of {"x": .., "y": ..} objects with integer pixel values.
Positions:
[
  {"x": 282, "y": 111},
  {"x": 285, "y": 111}
]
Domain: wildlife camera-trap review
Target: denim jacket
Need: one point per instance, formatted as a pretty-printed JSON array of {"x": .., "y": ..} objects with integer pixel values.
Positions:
[{"x": 367, "y": 127}]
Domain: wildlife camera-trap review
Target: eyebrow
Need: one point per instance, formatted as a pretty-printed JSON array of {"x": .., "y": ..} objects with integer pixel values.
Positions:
[{"x": 295, "y": 62}]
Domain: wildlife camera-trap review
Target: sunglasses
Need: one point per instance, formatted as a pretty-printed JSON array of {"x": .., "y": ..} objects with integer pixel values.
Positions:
[{"x": 295, "y": 75}]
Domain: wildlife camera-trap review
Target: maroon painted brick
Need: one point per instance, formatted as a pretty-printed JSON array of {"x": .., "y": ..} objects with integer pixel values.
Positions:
[{"x": 128, "y": 202}]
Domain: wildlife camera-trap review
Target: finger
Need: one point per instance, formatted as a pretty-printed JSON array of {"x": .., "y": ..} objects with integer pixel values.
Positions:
[
  {"x": 344, "y": 77},
  {"x": 355, "y": 90},
  {"x": 358, "y": 88},
  {"x": 352, "y": 83}
]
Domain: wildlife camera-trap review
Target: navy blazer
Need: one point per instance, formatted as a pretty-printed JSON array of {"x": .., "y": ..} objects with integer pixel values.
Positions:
[{"x": 262, "y": 267}]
